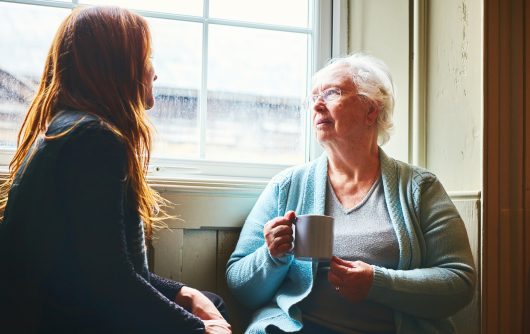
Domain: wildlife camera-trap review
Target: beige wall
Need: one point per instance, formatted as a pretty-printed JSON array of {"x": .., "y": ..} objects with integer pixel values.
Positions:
[{"x": 454, "y": 93}]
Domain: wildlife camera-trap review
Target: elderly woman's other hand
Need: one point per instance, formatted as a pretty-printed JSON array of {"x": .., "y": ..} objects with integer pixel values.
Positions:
[
  {"x": 351, "y": 279},
  {"x": 278, "y": 234}
]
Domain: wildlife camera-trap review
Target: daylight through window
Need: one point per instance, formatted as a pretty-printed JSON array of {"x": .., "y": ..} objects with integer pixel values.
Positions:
[{"x": 231, "y": 74}]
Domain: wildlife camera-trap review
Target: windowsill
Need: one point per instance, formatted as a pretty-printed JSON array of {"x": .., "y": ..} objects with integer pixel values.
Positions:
[
  {"x": 246, "y": 186},
  {"x": 210, "y": 170},
  {"x": 210, "y": 185}
]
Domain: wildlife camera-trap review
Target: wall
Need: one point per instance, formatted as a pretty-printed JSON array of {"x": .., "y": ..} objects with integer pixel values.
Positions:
[{"x": 454, "y": 93}]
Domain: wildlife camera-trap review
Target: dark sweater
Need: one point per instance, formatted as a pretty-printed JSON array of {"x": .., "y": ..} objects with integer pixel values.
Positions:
[{"x": 72, "y": 250}]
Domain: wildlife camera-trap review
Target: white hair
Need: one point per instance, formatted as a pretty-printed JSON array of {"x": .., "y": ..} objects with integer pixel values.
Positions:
[{"x": 373, "y": 80}]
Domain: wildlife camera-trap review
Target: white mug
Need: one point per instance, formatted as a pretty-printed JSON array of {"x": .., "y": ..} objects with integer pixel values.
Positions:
[{"x": 313, "y": 237}]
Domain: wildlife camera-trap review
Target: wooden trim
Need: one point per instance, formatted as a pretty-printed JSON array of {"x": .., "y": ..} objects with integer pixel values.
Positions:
[
  {"x": 418, "y": 91},
  {"x": 490, "y": 296},
  {"x": 505, "y": 260},
  {"x": 526, "y": 183}
]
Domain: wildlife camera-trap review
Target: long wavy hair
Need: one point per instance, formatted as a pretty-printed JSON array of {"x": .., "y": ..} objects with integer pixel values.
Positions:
[{"x": 98, "y": 63}]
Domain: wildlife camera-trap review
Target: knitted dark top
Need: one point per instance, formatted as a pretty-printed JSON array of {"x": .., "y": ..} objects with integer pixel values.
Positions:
[{"x": 72, "y": 251}]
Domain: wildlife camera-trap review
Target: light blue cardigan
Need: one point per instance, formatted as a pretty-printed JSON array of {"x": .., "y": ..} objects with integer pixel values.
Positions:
[{"x": 435, "y": 276}]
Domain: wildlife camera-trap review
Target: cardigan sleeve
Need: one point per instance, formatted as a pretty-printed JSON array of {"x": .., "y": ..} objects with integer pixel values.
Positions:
[
  {"x": 252, "y": 274},
  {"x": 92, "y": 180},
  {"x": 445, "y": 281}
]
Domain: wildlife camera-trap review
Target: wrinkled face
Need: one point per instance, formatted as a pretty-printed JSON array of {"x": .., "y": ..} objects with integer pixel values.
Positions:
[
  {"x": 343, "y": 118},
  {"x": 149, "y": 79}
]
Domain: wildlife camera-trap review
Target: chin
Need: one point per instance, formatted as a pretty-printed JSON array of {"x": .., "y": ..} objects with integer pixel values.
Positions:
[
  {"x": 149, "y": 104},
  {"x": 322, "y": 138}
]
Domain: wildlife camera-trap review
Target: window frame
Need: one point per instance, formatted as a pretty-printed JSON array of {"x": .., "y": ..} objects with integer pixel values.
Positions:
[{"x": 327, "y": 37}]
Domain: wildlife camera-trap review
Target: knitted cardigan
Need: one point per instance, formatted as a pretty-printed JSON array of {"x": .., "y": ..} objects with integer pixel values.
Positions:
[{"x": 435, "y": 276}]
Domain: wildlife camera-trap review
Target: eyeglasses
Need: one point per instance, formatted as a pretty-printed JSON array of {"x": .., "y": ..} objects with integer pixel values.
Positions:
[{"x": 328, "y": 95}]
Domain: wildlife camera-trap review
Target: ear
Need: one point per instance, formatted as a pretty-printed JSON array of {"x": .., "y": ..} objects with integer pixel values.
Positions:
[{"x": 372, "y": 113}]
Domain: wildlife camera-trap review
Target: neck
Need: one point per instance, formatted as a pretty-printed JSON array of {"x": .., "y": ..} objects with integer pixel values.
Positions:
[
  {"x": 354, "y": 164},
  {"x": 352, "y": 174}
]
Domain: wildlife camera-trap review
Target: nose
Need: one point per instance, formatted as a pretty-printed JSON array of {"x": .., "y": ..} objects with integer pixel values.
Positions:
[{"x": 319, "y": 104}]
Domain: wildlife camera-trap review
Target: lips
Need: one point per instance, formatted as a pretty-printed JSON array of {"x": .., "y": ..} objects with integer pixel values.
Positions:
[{"x": 323, "y": 121}]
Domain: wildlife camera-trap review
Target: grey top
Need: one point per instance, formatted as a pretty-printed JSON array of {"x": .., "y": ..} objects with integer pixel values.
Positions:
[{"x": 364, "y": 233}]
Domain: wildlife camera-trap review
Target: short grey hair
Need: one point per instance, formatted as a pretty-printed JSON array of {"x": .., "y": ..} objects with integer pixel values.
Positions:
[{"x": 373, "y": 80}]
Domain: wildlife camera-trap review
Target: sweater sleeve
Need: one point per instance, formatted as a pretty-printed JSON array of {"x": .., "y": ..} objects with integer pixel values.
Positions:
[
  {"x": 252, "y": 274},
  {"x": 167, "y": 287},
  {"x": 445, "y": 281},
  {"x": 92, "y": 180}
]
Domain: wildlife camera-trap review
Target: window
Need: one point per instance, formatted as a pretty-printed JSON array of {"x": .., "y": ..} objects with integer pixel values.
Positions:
[{"x": 231, "y": 78}]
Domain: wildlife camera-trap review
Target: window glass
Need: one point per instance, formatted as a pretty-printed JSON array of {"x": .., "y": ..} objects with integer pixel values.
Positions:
[
  {"x": 177, "y": 62},
  {"x": 185, "y": 7},
  {"x": 282, "y": 12},
  {"x": 26, "y": 33},
  {"x": 225, "y": 91},
  {"x": 256, "y": 82}
]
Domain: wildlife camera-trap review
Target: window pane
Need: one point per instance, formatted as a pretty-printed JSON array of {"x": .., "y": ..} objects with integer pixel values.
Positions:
[
  {"x": 282, "y": 12},
  {"x": 26, "y": 33},
  {"x": 185, "y": 7},
  {"x": 177, "y": 61},
  {"x": 256, "y": 82}
]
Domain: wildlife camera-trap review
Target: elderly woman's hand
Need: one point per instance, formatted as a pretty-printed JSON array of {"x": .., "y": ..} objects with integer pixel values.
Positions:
[
  {"x": 278, "y": 234},
  {"x": 352, "y": 280}
]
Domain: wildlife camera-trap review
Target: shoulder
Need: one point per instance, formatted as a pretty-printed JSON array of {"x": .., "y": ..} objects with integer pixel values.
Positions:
[
  {"x": 82, "y": 142},
  {"x": 416, "y": 184},
  {"x": 411, "y": 174},
  {"x": 83, "y": 129},
  {"x": 419, "y": 176},
  {"x": 68, "y": 120}
]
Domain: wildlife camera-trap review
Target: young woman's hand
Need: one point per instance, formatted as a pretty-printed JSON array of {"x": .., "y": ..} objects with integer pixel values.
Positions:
[
  {"x": 217, "y": 327},
  {"x": 198, "y": 304},
  {"x": 278, "y": 234},
  {"x": 203, "y": 308}
]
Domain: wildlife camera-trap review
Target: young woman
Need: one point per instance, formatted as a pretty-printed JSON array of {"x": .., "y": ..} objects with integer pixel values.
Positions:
[{"x": 76, "y": 204}]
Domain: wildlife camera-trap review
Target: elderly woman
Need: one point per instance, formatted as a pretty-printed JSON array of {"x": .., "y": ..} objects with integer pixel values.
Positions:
[{"x": 402, "y": 261}]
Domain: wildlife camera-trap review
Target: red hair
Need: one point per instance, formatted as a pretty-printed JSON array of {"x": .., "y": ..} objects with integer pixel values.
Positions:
[{"x": 98, "y": 63}]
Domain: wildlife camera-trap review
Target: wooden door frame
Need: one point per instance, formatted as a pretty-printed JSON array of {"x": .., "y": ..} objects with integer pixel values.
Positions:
[{"x": 506, "y": 201}]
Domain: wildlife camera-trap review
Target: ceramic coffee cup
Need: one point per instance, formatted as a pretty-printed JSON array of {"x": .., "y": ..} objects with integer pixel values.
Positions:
[{"x": 313, "y": 237}]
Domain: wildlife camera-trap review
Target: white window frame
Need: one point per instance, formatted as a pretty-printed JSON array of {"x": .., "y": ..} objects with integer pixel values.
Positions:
[{"x": 327, "y": 38}]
